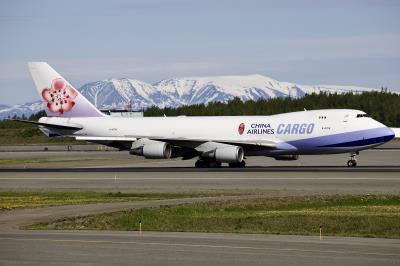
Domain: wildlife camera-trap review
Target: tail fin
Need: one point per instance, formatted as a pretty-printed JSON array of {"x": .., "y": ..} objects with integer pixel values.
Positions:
[{"x": 60, "y": 98}]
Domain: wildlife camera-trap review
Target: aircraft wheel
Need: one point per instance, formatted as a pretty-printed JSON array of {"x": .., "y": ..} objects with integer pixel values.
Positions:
[
  {"x": 199, "y": 164},
  {"x": 213, "y": 164},
  {"x": 207, "y": 164},
  {"x": 351, "y": 163},
  {"x": 238, "y": 165}
]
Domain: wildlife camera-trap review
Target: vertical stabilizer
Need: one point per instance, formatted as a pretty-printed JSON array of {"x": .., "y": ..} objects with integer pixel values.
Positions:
[{"x": 60, "y": 98}]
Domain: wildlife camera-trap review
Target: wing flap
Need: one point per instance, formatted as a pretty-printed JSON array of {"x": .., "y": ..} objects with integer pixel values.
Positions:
[
  {"x": 88, "y": 138},
  {"x": 183, "y": 142}
]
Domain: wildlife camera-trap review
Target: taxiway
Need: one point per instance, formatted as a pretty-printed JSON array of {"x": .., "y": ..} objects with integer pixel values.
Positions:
[{"x": 156, "y": 248}]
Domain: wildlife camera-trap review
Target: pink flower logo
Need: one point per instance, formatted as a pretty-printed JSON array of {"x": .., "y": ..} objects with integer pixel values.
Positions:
[
  {"x": 60, "y": 97},
  {"x": 241, "y": 128}
]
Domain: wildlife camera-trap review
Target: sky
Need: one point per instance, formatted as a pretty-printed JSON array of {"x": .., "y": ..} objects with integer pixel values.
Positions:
[{"x": 341, "y": 42}]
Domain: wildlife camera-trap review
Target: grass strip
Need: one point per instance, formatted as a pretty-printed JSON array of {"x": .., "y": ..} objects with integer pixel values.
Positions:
[
  {"x": 365, "y": 216},
  {"x": 13, "y": 200}
]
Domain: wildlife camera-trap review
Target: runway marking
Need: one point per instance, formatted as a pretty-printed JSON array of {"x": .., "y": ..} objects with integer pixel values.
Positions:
[
  {"x": 200, "y": 245},
  {"x": 202, "y": 178},
  {"x": 264, "y": 170}
]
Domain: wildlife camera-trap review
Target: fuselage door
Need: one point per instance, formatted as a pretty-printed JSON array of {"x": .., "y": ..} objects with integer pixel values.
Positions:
[{"x": 346, "y": 118}]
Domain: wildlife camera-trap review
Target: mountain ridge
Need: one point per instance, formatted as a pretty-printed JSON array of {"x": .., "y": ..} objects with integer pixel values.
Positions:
[{"x": 119, "y": 93}]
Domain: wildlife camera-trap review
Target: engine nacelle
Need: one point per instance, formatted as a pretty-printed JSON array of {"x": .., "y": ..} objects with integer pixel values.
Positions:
[
  {"x": 154, "y": 150},
  {"x": 232, "y": 154},
  {"x": 291, "y": 157}
]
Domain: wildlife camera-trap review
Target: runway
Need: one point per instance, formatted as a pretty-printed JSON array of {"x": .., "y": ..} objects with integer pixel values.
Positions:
[
  {"x": 167, "y": 169},
  {"x": 272, "y": 183},
  {"x": 122, "y": 161},
  {"x": 155, "y": 248},
  {"x": 378, "y": 173}
]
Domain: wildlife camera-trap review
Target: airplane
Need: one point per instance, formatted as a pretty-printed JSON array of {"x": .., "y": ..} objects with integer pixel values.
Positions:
[{"x": 213, "y": 140}]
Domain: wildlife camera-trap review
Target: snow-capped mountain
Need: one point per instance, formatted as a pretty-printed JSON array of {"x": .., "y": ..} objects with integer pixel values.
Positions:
[
  {"x": 120, "y": 93},
  {"x": 3, "y": 106},
  {"x": 194, "y": 90},
  {"x": 19, "y": 110}
]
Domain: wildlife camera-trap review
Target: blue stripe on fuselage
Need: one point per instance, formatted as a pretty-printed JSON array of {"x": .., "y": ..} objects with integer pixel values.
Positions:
[
  {"x": 362, "y": 142},
  {"x": 348, "y": 139}
]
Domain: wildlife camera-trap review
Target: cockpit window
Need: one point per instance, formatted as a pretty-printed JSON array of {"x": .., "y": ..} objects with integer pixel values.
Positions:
[{"x": 362, "y": 115}]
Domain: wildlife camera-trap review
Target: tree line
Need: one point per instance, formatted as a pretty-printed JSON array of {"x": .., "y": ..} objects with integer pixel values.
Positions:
[{"x": 383, "y": 106}]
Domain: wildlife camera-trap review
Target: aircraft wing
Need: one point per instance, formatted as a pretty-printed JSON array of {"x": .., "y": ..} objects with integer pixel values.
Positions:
[
  {"x": 124, "y": 139},
  {"x": 121, "y": 143},
  {"x": 260, "y": 144},
  {"x": 126, "y": 142},
  {"x": 187, "y": 142}
]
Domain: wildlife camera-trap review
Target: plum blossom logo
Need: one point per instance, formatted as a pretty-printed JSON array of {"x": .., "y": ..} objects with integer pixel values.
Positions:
[
  {"x": 60, "y": 97},
  {"x": 241, "y": 128}
]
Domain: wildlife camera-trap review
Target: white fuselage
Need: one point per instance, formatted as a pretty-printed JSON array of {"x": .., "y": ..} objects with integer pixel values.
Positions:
[{"x": 305, "y": 132}]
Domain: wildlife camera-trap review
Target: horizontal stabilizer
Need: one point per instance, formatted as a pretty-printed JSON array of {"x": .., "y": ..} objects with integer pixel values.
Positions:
[{"x": 51, "y": 126}]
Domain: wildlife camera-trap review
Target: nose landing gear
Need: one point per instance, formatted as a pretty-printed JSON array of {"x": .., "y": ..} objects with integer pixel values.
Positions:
[{"x": 352, "y": 162}]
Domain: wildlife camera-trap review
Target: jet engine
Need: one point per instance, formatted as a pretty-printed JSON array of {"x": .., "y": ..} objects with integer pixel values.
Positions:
[
  {"x": 231, "y": 154},
  {"x": 153, "y": 150},
  {"x": 291, "y": 157}
]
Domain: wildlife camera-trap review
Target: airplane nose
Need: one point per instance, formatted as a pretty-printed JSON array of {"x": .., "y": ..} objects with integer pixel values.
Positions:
[
  {"x": 385, "y": 132},
  {"x": 390, "y": 133},
  {"x": 381, "y": 135}
]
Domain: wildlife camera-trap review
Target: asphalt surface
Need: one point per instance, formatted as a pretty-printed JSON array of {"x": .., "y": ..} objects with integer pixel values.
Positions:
[
  {"x": 166, "y": 169},
  {"x": 111, "y": 159},
  {"x": 154, "y": 248},
  {"x": 379, "y": 174},
  {"x": 266, "y": 183}
]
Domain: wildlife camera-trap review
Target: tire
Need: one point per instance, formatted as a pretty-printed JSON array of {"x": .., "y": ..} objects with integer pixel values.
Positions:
[
  {"x": 207, "y": 164},
  {"x": 238, "y": 165},
  {"x": 351, "y": 163},
  {"x": 199, "y": 164},
  {"x": 213, "y": 164}
]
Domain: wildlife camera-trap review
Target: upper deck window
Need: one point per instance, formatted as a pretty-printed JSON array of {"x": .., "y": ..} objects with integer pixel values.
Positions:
[{"x": 362, "y": 115}]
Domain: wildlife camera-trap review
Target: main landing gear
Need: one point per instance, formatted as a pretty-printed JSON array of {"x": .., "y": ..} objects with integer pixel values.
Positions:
[
  {"x": 352, "y": 162},
  {"x": 201, "y": 163},
  {"x": 207, "y": 164},
  {"x": 242, "y": 164}
]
